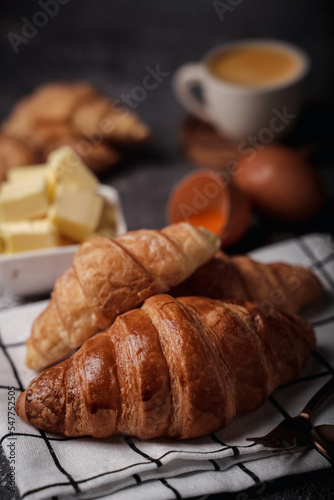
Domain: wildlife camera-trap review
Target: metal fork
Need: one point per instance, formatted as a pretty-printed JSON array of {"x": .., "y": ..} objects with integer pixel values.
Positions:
[{"x": 295, "y": 432}]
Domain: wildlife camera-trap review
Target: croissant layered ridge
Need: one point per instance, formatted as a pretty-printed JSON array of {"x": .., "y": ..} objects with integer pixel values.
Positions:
[
  {"x": 178, "y": 368},
  {"x": 276, "y": 285},
  {"x": 109, "y": 277}
]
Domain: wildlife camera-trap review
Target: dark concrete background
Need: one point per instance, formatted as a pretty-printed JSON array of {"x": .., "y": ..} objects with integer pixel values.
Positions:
[{"x": 109, "y": 43}]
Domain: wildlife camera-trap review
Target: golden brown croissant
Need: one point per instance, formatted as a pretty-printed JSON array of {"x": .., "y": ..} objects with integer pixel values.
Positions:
[
  {"x": 271, "y": 286},
  {"x": 77, "y": 115},
  {"x": 180, "y": 368},
  {"x": 109, "y": 277}
]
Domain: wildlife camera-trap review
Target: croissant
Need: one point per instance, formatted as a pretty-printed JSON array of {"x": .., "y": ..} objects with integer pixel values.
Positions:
[
  {"x": 275, "y": 285},
  {"x": 179, "y": 368},
  {"x": 109, "y": 277}
]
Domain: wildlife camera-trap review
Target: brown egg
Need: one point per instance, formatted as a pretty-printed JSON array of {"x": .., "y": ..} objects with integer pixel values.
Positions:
[{"x": 280, "y": 183}]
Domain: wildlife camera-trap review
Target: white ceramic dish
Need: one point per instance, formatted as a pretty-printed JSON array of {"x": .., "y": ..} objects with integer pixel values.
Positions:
[{"x": 35, "y": 272}]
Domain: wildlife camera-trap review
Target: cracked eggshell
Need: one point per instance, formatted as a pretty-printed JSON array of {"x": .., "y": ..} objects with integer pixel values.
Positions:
[{"x": 205, "y": 198}]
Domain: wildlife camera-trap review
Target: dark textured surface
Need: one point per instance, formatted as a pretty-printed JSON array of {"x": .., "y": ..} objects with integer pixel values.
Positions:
[{"x": 110, "y": 43}]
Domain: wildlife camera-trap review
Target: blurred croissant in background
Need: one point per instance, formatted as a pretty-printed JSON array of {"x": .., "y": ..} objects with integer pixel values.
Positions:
[{"x": 73, "y": 114}]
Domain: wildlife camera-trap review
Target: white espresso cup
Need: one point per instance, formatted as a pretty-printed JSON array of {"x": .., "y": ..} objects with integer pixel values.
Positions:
[{"x": 237, "y": 109}]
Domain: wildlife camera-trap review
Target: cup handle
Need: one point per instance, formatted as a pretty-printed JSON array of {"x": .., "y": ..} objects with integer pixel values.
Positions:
[{"x": 184, "y": 80}]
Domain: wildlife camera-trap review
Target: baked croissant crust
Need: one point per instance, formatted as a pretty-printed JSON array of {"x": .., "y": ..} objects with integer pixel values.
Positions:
[
  {"x": 271, "y": 286},
  {"x": 180, "y": 368},
  {"x": 109, "y": 277},
  {"x": 77, "y": 115}
]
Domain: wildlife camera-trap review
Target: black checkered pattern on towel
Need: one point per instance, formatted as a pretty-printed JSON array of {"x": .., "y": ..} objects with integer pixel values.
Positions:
[{"x": 49, "y": 466}]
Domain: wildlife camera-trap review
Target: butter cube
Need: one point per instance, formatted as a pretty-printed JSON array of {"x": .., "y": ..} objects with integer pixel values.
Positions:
[
  {"x": 23, "y": 200},
  {"x": 108, "y": 223},
  {"x": 69, "y": 170},
  {"x": 76, "y": 213},
  {"x": 28, "y": 235},
  {"x": 17, "y": 174},
  {"x": 25, "y": 174}
]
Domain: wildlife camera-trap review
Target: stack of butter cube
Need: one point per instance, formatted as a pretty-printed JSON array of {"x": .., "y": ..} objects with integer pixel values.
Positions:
[{"x": 55, "y": 204}]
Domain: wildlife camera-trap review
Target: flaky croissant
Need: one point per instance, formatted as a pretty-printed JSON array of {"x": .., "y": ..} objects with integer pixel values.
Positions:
[
  {"x": 271, "y": 286},
  {"x": 178, "y": 368},
  {"x": 109, "y": 277},
  {"x": 73, "y": 114}
]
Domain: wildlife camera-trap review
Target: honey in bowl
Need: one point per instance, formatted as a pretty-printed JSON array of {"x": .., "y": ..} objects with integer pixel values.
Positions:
[{"x": 253, "y": 65}]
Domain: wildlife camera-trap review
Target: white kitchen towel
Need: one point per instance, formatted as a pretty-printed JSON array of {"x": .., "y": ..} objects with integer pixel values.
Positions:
[{"x": 48, "y": 466}]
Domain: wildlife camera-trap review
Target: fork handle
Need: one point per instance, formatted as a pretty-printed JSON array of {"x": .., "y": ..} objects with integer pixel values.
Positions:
[{"x": 318, "y": 398}]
